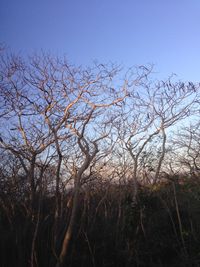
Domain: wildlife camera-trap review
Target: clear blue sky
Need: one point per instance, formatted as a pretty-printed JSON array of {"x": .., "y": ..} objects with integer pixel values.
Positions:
[{"x": 132, "y": 32}]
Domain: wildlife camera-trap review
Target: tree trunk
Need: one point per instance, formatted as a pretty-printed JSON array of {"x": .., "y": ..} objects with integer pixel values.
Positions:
[
  {"x": 69, "y": 232},
  {"x": 135, "y": 183},
  {"x": 161, "y": 156}
]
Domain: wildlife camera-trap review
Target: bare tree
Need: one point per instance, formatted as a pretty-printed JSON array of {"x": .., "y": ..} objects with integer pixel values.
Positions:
[
  {"x": 149, "y": 112},
  {"x": 187, "y": 148},
  {"x": 49, "y": 105}
]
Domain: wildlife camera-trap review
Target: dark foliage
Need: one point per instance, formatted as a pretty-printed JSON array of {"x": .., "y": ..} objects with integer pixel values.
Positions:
[{"x": 162, "y": 229}]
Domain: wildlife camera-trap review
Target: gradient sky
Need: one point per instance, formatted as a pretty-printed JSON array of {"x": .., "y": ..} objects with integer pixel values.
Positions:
[{"x": 130, "y": 32}]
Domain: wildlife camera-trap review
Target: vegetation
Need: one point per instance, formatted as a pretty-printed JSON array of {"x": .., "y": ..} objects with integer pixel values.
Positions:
[{"x": 97, "y": 169}]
